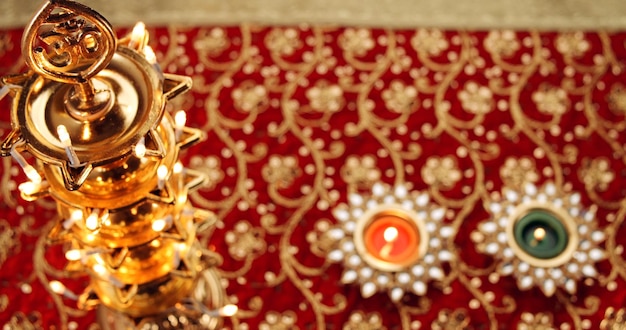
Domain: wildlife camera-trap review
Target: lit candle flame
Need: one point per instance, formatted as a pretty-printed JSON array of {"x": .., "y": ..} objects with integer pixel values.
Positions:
[
  {"x": 538, "y": 235},
  {"x": 29, "y": 188},
  {"x": 138, "y": 37},
  {"x": 73, "y": 255},
  {"x": 162, "y": 172},
  {"x": 180, "y": 120},
  {"x": 228, "y": 310},
  {"x": 58, "y": 288},
  {"x": 30, "y": 171},
  {"x": 159, "y": 225},
  {"x": 93, "y": 222},
  {"x": 389, "y": 235},
  {"x": 74, "y": 217},
  {"x": 140, "y": 148},
  {"x": 64, "y": 136}
]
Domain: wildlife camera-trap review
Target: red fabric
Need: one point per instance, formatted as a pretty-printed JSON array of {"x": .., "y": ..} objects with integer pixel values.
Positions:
[{"x": 322, "y": 139}]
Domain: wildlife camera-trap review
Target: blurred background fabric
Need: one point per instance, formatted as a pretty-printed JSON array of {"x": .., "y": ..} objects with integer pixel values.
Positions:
[{"x": 304, "y": 102}]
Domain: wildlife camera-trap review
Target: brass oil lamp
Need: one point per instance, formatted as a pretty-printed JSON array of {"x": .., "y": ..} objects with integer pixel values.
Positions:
[{"x": 92, "y": 112}]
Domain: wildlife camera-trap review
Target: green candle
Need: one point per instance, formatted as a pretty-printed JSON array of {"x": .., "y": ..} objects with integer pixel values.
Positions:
[{"x": 541, "y": 234}]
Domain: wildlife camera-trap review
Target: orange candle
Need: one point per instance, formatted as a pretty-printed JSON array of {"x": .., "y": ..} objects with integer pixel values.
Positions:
[{"x": 393, "y": 239}]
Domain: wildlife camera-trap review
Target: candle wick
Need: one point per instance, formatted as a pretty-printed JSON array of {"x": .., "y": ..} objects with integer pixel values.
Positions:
[{"x": 390, "y": 235}]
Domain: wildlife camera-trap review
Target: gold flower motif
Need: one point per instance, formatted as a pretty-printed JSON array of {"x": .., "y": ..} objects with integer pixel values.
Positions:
[
  {"x": 360, "y": 321},
  {"x": 325, "y": 98},
  {"x": 210, "y": 166},
  {"x": 515, "y": 172},
  {"x": 572, "y": 44},
  {"x": 539, "y": 321},
  {"x": 250, "y": 97},
  {"x": 503, "y": 43},
  {"x": 597, "y": 173},
  {"x": 432, "y": 41},
  {"x": 360, "y": 171},
  {"x": 441, "y": 172},
  {"x": 8, "y": 241},
  {"x": 281, "y": 170},
  {"x": 451, "y": 320},
  {"x": 277, "y": 321},
  {"x": 244, "y": 240},
  {"x": 357, "y": 41},
  {"x": 476, "y": 99},
  {"x": 399, "y": 98},
  {"x": 283, "y": 41},
  {"x": 212, "y": 42},
  {"x": 551, "y": 100},
  {"x": 617, "y": 99},
  {"x": 614, "y": 320}
]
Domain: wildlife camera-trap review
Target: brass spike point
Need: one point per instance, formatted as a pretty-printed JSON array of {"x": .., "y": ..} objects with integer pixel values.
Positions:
[
  {"x": 127, "y": 294},
  {"x": 74, "y": 177},
  {"x": 174, "y": 85},
  {"x": 13, "y": 139},
  {"x": 116, "y": 257},
  {"x": 164, "y": 196},
  {"x": 88, "y": 299},
  {"x": 158, "y": 149},
  {"x": 58, "y": 234},
  {"x": 16, "y": 81},
  {"x": 203, "y": 220},
  {"x": 194, "y": 179},
  {"x": 178, "y": 229},
  {"x": 189, "y": 137}
]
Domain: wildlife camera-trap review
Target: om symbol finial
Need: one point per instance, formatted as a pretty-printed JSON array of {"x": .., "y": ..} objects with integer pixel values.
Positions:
[{"x": 68, "y": 42}]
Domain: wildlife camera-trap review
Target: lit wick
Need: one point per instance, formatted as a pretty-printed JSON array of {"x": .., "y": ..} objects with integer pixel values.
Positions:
[
  {"x": 30, "y": 171},
  {"x": 64, "y": 136},
  {"x": 162, "y": 172},
  {"x": 140, "y": 148},
  {"x": 390, "y": 235},
  {"x": 93, "y": 220},
  {"x": 139, "y": 37},
  {"x": 538, "y": 235},
  {"x": 58, "y": 288},
  {"x": 74, "y": 217},
  {"x": 180, "y": 119}
]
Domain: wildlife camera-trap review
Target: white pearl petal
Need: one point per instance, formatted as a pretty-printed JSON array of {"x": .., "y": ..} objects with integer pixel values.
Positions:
[
  {"x": 378, "y": 189},
  {"x": 355, "y": 199},
  {"x": 437, "y": 214},
  {"x": 389, "y": 199},
  {"x": 349, "y": 277},
  {"x": 382, "y": 279},
  {"x": 336, "y": 234},
  {"x": 347, "y": 246},
  {"x": 419, "y": 288},
  {"x": 404, "y": 278},
  {"x": 492, "y": 248},
  {"x": 401, "y": 191},
  {"x": 408, "y": 205},
  {"x": 508, "y": 253},
  {"x": 335, "y": 255},
  {"x": 597, "y": 236},
  {"x": 445, "y": 255},
  {"x": 540, "y": 272},
  {"x": 354, "y": 260},
  {"x": 368, "y": 289},
  {"x": 548, "y": 287},
  {"x": 446, "y": 231},
  {"x": 523, "y": 267},
  {"x": 349, "y": 226},
  {"x": 422, "y": 200},
  {"x": 436, "y": 273},
  {"x": 506, "y": 269},
  {"x": 525, "y": 282},
  {"x": 341, "y": 214},
  {"x": 511, "y": 195},
  {"x": 550, "y": 189},
  {"x": 596, "y": 254},
  {"x": 366, "y": 272},
  {"x": 396, "y": 294},
  {"x": 570, "y": 286},
  {"x": 418, "y": 270},
  {"x": 495, "y": 207},
  {"x": 575, "y": 198},
  {"x": 530, "y": 189},
  {"x": 589, "y": 271},
  {"x": 488, "y": 227}
]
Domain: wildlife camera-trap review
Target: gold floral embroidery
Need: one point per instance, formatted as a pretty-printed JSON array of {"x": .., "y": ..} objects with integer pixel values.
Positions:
[
  {"x": 399, "y": 98},
  {"x": 503, "y": 43},
  {"x": 210, "y": 166},
  {"x": 617, "y": 99},
  {"x": 245, "y": 241},
  {"x": 212, "y": 42},
  {"x": 9, "y": 241},
  {"x": 281, "y": 170},
  {"x": 551, "y": 100},
  {"x": 361, "y": 171},
  {"x": 539, "y": 321},
  {"x": 5, "y": 44},
  {"x": 277, "y": 321},
  {"x": 476, "y": 99},
  {"x": 614, "y": 320},
  {"x": 356, "y": 41},
  {"x": 515, "y": 172},
  {"x": 284, "y": 41},
  {"x": 24, "y": 322},
  {"x": 360, "y": 321},
  {"x": 250, "y": 97},
  {"x": 451, "y": 320},
  {"x": 572, "y": 44},
  {"x": 433, "y": 42},
  {"x": 324, "y": 97},
  {"x": 441, "y": 172},
  {"x": 597, "y": 173}
]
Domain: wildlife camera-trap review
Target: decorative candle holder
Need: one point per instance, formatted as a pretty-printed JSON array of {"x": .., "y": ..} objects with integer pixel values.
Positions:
[{"x": 92, "y": 112}]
